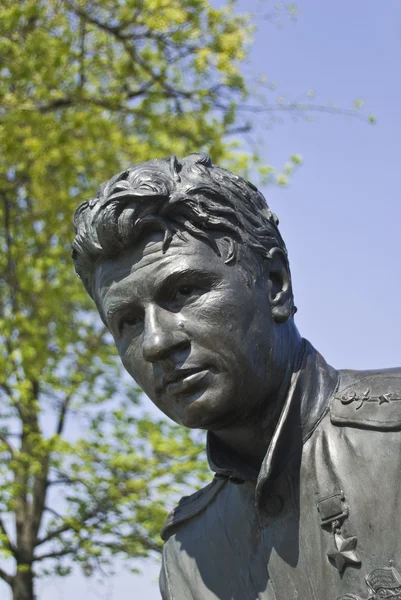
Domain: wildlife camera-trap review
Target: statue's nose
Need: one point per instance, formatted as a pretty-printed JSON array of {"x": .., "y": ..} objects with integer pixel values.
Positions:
[{"x": 162, "y": 334}]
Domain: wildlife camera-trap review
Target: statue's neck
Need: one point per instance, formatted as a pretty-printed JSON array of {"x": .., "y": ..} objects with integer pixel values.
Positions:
[{"x": 250, "y": 439}]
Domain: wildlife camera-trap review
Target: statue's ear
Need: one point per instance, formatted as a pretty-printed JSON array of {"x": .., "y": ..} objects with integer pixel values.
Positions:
[{"x": 280, "y": 287}]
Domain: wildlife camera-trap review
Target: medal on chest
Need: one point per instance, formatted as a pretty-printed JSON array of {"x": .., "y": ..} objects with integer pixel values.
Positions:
[
  {"x": 333, "y": 512},
  {"x": 382, "y": 584}
]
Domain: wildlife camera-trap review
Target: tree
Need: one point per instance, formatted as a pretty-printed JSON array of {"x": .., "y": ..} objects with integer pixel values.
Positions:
[{"x": 88, "y": 87}]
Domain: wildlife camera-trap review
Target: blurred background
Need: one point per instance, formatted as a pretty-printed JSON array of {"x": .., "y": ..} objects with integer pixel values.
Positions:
[{"x": 303, "y": 99}]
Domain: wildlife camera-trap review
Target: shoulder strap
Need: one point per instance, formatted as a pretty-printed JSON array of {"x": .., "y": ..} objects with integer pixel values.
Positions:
[{"x": 368, "y": 399}]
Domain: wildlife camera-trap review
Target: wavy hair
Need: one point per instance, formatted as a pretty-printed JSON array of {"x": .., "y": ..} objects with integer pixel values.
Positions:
[{"x": 191, "y": 195}]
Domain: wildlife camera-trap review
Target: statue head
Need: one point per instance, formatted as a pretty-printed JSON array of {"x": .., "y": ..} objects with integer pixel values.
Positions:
[{"x": 168, "y": 245}]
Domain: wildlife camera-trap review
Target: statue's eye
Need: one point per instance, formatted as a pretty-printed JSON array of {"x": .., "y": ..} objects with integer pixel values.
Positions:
[
  {"x": 129, "y": 321},
  {"x": 185, "y": 290},
  {"x": 184, "y": 293}
]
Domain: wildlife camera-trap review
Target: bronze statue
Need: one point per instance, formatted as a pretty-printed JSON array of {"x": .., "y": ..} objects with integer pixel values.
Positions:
[{"x": 190, "y": 274}]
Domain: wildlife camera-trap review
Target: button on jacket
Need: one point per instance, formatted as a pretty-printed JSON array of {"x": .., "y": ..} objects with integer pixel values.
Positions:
[{"x": 320, "y": 521}]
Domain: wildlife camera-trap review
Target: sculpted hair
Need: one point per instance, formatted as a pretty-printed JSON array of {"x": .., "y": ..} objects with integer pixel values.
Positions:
[{"x": 191, "y": 195}]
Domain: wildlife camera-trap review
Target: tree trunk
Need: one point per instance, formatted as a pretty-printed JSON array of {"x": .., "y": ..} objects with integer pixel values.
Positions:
[{"x": 23, "y": 584}]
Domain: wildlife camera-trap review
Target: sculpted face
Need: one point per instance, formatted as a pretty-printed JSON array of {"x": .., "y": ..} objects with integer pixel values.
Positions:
[{"x": 190, "y": 330}]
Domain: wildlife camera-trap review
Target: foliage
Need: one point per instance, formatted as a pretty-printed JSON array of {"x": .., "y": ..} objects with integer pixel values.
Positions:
[{"x": 88, "y": 87}]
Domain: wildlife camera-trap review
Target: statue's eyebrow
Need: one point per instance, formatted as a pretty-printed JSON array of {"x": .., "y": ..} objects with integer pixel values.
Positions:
[
  {"x": 197, "y": 276},
  {"x": 116, "y": 307}
]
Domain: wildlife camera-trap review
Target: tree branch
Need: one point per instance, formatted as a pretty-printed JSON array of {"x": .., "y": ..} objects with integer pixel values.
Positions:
[
  {"x": 54, "y": 105},
  {"x": 7, "y": 445},
  {"x": 63, "y": 528},
  {"x": 39, "y": 494},
  {"x": 82, "y": 77},
  {"x": 55, "y": 554},
  {"x": 4, "y": 386},
  {"x": 63, "y": 413},
  {"x": 8, "y": 542},
  {"x": 6, "y": 577},
  {"x": 53, "y": 534},
  {"x": 70, "y": 101},
  {"x": 10, "y": 258},
  {"x": 147, "y": 543},
  {"x": 300, "y": 107},
  {"x": 131, "y": 50},
  {"x": 84, "y": 15},
  {"x": 240, "y": 129}
]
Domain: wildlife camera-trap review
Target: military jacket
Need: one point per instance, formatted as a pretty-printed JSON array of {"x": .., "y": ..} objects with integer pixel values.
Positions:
[{"x": 320, "y": 521}]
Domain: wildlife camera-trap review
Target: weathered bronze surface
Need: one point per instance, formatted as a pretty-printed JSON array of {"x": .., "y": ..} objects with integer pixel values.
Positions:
[{"x": 190, "y": 273}]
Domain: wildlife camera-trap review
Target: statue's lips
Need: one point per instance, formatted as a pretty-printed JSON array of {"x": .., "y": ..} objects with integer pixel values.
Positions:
[{"x": 184, "y": 379}]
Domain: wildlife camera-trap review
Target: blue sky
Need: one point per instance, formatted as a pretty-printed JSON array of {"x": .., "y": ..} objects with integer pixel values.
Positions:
[{"x": 341, "y": 214}]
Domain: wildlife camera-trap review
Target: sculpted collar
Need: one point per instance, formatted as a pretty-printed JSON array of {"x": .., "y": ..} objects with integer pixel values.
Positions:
[{"x": 312, "y": 386}]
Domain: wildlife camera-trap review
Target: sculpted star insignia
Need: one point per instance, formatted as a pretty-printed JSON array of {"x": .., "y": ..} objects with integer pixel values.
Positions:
[
  {"x": 384, "y": 398},
  {"x": 346, "y": 553}
]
